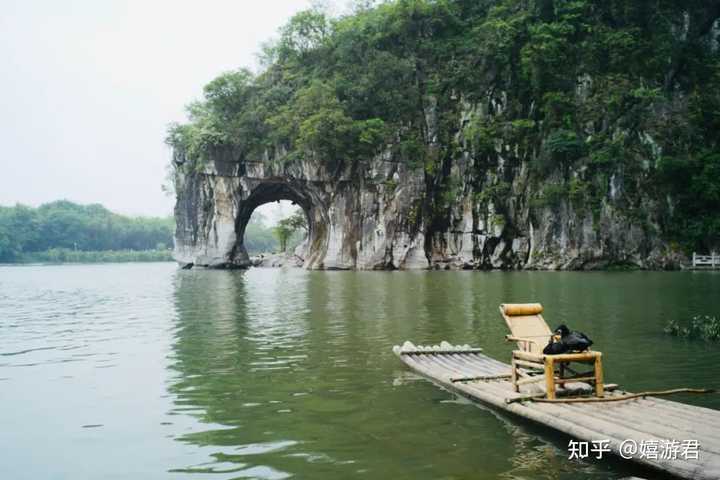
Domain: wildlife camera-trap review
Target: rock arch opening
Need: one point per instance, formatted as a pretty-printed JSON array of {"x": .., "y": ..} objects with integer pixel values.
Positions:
[
  {"x": 261, "y": 238},
  {"x": 278, "y": 189}
]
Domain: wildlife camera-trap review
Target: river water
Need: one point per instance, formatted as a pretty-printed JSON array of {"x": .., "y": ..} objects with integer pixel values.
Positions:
[{"x": 144, "y": 371}]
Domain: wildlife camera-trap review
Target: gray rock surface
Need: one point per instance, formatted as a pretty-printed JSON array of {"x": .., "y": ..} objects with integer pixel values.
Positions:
[
  {"x": 383, "y": 214},
  {"x": 277, "y": 260}
]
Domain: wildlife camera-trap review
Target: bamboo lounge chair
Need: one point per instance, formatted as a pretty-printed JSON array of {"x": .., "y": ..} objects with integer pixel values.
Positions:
[{"x": 529, "y": 330}]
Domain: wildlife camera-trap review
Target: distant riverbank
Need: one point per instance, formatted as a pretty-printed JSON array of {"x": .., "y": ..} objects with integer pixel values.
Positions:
[
  {"x": 64, "y": 255},
  {"x": 66, "y": 232}
]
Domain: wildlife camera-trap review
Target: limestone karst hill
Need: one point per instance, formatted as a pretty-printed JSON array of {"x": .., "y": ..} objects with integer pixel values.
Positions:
[{"x": 467, "y": 134}]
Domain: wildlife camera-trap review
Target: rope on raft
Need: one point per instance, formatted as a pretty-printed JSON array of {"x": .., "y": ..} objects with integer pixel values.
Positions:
[{"x": 630, "y": 396}]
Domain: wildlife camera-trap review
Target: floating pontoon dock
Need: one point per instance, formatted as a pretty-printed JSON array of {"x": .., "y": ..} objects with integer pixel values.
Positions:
[{"x": 644, "y": 419}]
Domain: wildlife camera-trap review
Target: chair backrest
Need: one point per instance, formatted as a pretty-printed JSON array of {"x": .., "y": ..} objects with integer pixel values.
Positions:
[{"x": 525, "y": 321}]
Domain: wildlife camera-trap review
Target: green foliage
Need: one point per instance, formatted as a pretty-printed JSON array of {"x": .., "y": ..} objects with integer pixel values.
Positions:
[
  {"x": 577, "y": 88},
  {"x": 262, "y": 239},
  {"x": 496, "y": 193},
  {"x": 304, "y": 33},
  {"x": 551, "y": 195},
  {"x": 561, "y": 148},
  {"x": 412, "y": 150},
  {"x": 333, "y": 90},
  {"x": 229, "y": 94},
  {"x": 544, "y": 57},
  {"x": 288, "y": 227},
  {"x": 694, "y": 182},
  {"x": 578, "y": 193},
  {"x": 62, "y": 225},
  {"x": 450, "y": 192},
  {"x": 577, "y": 190},
  {"x": 701, "y": 327},
  {"x": 282, "y": 233},
  {"x": 64, "y": 255},
  {"x": 296, "y": 222},
  {"x": 559, "y": 109},
  {"x": 605, "y": 153},
  {"x": 482, "y": 134},
  {"x": 226, "y": 116}
]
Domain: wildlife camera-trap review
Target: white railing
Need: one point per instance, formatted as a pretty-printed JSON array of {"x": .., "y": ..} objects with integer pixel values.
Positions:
[{"x": 712, "y": 260}]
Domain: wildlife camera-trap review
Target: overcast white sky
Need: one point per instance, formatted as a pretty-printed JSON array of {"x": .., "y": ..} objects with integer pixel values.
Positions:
[{"x": 88, "y": 87}]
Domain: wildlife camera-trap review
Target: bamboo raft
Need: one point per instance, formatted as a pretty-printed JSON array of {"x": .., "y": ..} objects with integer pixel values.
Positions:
[{"x": 468, "y": 372}]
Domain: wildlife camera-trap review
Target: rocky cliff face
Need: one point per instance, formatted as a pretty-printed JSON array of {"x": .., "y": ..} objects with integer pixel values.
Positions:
[
  {"x": 384, "y": 214},
  {"x": 357, "y": 219}
]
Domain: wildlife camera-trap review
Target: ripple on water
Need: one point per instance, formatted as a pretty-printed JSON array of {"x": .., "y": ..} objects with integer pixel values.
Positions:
[{"x": 273, "y": 374}]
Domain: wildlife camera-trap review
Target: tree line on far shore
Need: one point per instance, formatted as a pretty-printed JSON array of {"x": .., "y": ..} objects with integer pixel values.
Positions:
[
  {"x": 66, "y": 231},
  {"x": 63, "y": 231}
]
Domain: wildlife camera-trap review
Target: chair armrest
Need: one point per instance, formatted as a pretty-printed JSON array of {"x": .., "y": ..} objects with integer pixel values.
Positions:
[
  {"x": 523, "y": 342},
  {"x": 510, "y": 338}
]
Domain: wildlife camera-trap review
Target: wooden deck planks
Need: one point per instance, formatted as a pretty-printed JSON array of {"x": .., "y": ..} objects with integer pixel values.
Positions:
[{"x": 637, "y": 419}]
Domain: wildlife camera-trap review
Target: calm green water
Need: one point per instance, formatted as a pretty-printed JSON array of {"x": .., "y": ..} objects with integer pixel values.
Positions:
[{"x": 143, "y": 371}]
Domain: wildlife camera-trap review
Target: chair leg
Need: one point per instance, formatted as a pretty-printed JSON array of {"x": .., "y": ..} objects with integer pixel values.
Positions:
[
  {"x": 514, "y": 375},
  {"x": 550, "y": 378},
  {"x": 599, "y": 381}
]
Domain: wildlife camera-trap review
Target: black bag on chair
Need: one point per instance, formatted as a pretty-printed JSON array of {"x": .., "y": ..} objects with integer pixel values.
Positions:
[
  {"x": 570, "y": 341},
  {"x": 555, "y": 347},
  {"x": 577, "y": 342}
]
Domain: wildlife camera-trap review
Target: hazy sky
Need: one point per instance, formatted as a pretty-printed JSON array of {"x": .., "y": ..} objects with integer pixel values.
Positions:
[{"x": 89, "y": 86}]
